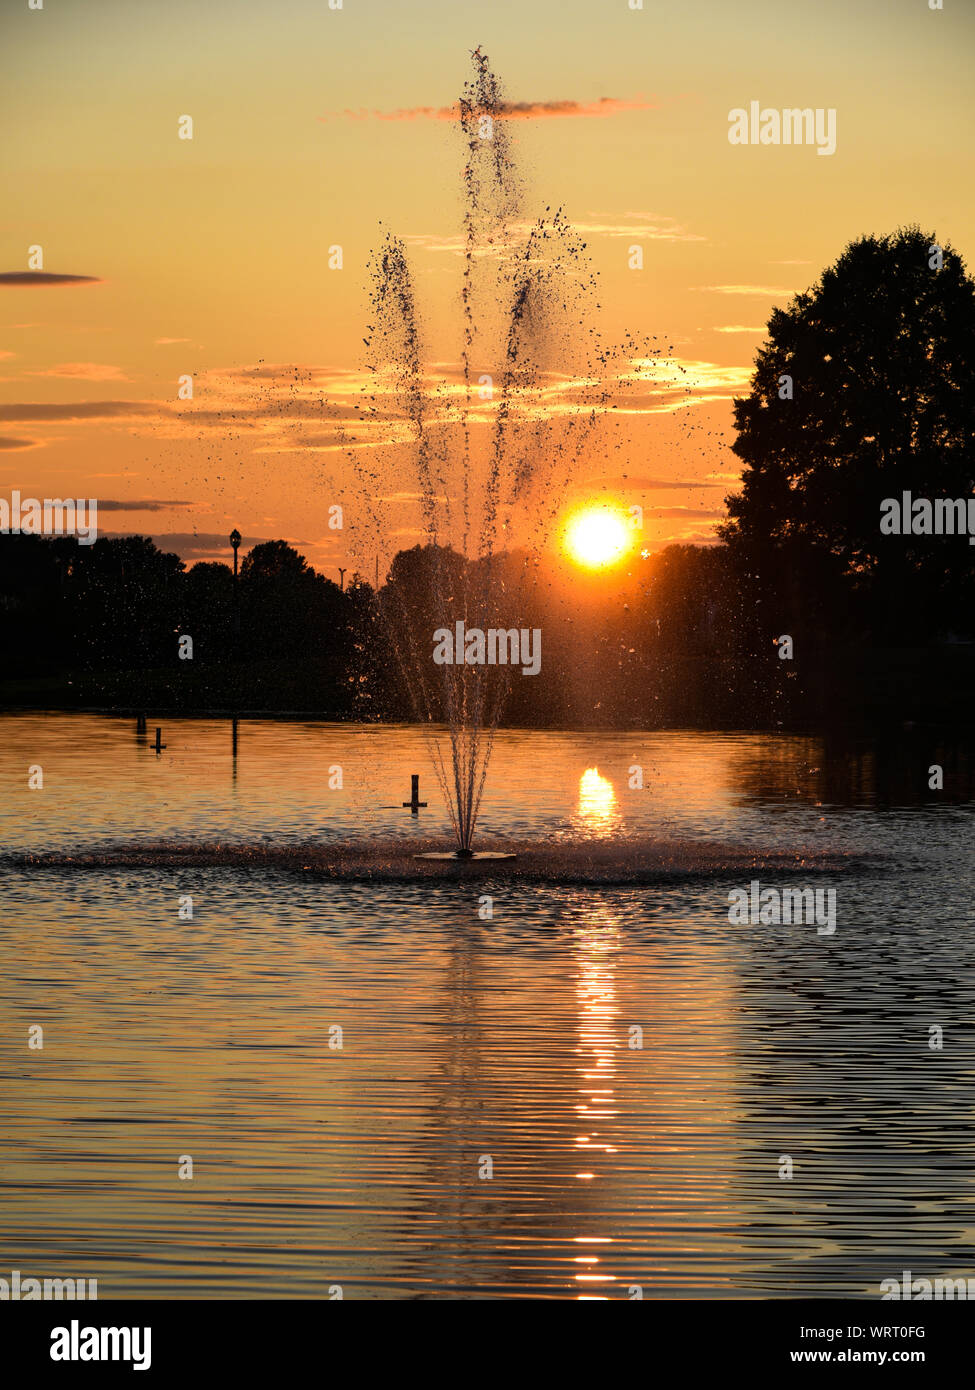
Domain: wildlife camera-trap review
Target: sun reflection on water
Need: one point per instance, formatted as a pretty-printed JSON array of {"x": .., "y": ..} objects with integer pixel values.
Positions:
[
  {"x": 598, "y": 812},
  {"x": 596, "y": 945}
]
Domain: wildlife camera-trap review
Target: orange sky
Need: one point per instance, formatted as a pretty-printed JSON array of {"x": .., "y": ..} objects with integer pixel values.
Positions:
[{"x": 312, "y": 126}]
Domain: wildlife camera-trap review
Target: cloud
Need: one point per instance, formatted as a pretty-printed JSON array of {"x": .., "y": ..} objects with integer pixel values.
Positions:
[
  {"x": 81, "y": 410},
  {"x": 287, "y": 373},
  {"x": 515, "y": 234},
  {"x": 453, "y": 243},
  {"x": 506, "y": 110},
  {"x": 149, "y": 504},
  {"x": 643, "y": 484},
  {"x": 10, "y": 443},
  {"x": 694, "y": 538},
  {"x": 322, "y": 443},
  {"x": 45, "y": 277},
  {"x": 685, "y": 514},
  {"x": 659, "y": 385},
  {"x": 274, "y": 408},
  {"x": 189, "y": 543},
  {"x": 738, "y": 328},
  {"x": 439, "y": 499},
  {"x": 83, "y": 371},
  {"x": 162, "y": 342},
  {"x": 766, "y": 290},
  {"x": 643, "y": 231}
]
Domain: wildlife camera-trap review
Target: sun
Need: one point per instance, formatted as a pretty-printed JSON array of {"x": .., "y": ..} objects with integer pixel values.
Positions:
[{"x": 598, "y": 537}]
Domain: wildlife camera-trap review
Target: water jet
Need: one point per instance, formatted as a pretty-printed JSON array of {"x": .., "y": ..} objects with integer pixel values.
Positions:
[{"x": 481, "y": 451}]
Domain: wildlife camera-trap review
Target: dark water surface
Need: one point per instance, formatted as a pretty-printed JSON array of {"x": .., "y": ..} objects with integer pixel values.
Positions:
[{"x": 465, "y": 1039}]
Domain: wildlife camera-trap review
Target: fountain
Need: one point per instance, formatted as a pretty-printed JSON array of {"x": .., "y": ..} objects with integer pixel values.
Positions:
[{"x": 475, "y": 447}]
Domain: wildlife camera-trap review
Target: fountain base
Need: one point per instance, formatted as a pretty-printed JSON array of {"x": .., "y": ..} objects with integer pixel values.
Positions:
[
  {"x": 461, "y": 855},
  {"x": 624, "y": 861}
]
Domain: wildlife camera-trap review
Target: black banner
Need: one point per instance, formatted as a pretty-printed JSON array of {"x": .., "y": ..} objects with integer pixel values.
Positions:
[{"x": 175, "y": 1340}]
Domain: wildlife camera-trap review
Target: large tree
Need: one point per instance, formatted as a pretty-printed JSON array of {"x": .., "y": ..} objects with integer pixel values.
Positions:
[{"x": 879, "y": 361}]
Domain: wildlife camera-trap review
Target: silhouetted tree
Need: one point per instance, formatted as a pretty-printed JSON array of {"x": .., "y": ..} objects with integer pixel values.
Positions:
[
  {"x": 880, "y": 356},
  {"x": 34, "y": 628},
  {"x": 124, "y": 599},
  {"x": 208, "y": 601}
]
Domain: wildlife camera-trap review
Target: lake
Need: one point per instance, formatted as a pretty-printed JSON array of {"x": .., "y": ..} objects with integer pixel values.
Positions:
[{"x": 597, "y": 1092}]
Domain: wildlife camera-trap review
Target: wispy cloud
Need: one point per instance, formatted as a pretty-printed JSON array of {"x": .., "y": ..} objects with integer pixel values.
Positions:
[
  {"x": 191, "y": 544},
  {"x": 45, "y": 277},
  {"x": 516, "y": 233},
  {"x": 685, "y": 514},
  {"x": 643, "y": 228},
  {"x": 768, "y": 291},
  {"x": 81, "y": 410},
  {"x": 640, "y": 483},
  {"x": 507, "y": 110},
  {"x": 8, "y": 442},
  {"x": 692, "y": 537},
  {"x": 144, "y": 504},
  {"x": 82, "y": 371},
  {"x": 660, "y": 385},
  {"x": 738, "y": 328},
  {"x": 304, "y": 409}
]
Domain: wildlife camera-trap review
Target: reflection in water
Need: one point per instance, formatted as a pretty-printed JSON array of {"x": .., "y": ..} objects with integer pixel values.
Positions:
[
  {"x": 523, "y": 1071},
  {"x": 597, "y": 813},
  {"x": 769, "y": 790},
  {"x": 889, "y": 769},
  {"x": 464, "y": 1036},
  {"x": 842, "y": 1078},
  {"x": 596, "y": 945}
]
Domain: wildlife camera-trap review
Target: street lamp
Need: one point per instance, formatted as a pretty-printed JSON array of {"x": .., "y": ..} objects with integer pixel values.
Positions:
[{"x": 235, "y": 542}]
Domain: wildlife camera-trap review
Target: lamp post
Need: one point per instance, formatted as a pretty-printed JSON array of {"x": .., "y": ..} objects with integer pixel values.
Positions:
[{"x": 235, "y": 542}]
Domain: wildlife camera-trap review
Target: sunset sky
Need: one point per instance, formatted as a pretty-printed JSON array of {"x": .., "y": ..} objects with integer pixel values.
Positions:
[{"x": 312, "y": 126}]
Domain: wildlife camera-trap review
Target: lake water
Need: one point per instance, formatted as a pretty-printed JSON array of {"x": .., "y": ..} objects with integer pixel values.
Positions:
[{"x": 466, "y": 1040}]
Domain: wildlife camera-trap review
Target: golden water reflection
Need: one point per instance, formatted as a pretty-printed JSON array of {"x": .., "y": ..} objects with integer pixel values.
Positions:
[
  {"x": 615, "y": 1167},
  {"x": 596, "y": 944},
  {"x": 598, "y": 811}
]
